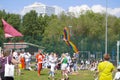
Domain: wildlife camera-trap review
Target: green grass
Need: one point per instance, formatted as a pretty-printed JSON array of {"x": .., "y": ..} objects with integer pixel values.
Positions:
[{"x": 32, "y": 75}]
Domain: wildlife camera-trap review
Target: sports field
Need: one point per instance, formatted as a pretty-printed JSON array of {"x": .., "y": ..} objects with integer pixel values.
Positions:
[{"x": 32, "y": 75}]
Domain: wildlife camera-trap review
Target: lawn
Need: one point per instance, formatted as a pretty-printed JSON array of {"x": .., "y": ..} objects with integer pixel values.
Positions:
[{"x": 32, "y": 75}]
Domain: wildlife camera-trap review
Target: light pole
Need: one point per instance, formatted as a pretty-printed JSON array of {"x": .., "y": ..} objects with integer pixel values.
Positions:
[
  {"x": 118, "y": 44},
  {"x": 106, "y": 30}
]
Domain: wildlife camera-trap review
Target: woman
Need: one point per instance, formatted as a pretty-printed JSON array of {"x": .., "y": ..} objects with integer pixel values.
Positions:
[
  {"x": 39, "y": 59},
  {"x": 64, "y": 62},
  {"x": 105, "y": 69},
  {"x": 3, "y": 58}
]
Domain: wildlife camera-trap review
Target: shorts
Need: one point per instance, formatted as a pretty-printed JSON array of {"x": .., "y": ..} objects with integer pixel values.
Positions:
[{"x": 63, "y": 66}]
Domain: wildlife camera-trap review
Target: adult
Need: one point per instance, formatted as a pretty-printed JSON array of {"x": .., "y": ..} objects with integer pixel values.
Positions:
[
  {"x": 6, "y": 54},
  {"x": 105, "y": 69},
  {"x": 39, "y": 59},
  {"x": 64, "y": 63}
]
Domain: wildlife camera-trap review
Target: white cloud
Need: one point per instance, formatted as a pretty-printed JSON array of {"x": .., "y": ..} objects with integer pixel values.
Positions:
[
  {"x": 115, "y": 11},
  {"x": 78, "y": 9},
  {"x": 98, "y": 9},
  {"x": 95, "y": 8}
]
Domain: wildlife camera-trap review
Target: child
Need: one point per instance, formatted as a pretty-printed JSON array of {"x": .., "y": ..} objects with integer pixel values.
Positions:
[
  {"x": 52, "y": 60},
  {"x": 117, "y": 75},
  {"x": 19, "y": 68}
]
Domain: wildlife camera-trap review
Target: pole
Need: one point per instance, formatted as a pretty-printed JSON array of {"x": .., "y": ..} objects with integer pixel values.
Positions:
[
  {"x": 106, "y": 30},
  {"x": 118, "y": 53}
]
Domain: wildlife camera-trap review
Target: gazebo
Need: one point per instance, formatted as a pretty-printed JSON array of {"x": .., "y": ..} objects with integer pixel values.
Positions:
[{"x": 22, "y": 45}]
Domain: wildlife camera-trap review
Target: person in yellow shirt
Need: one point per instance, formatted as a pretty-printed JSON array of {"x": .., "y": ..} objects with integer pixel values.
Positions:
[{"x": 105, "y": 69}]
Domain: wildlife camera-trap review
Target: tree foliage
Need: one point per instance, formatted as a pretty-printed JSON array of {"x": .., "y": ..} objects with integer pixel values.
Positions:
[{"x": 87, "y": 31}]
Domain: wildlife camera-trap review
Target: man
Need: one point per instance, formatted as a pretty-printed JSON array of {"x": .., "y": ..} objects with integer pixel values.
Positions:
[{"x": 39, "y": 59}]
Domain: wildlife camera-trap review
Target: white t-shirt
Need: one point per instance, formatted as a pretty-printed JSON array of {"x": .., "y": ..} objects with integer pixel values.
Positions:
[
  {"x": 117, "y": 76},
  {"x": 15, "y": 54},
  {"x": 27, "y": 56}
]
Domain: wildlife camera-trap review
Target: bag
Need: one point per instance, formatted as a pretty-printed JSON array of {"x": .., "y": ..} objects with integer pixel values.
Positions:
[{"x": 9, "y": 70}]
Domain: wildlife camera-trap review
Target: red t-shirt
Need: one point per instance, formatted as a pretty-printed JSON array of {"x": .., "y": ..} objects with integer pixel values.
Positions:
[{"x": 39, "y": 58}]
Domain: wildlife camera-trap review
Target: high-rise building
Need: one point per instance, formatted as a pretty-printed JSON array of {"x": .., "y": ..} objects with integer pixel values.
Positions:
[
  {"x": 58, "y": 10},
  {"x": 42, "y": 9}
]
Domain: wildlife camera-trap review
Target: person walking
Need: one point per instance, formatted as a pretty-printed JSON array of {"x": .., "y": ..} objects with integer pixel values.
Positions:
[
  {"x": 64, "y": 62},
  {"x": 39, "y": 59},
  {"x": 105, "y": 69},
  {"x": 28, "y": 60},
  {"x": 52, "y": 60}
]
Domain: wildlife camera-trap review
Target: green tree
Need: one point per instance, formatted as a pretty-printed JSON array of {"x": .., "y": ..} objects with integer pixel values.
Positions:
[{"x": 30, "y": 26}]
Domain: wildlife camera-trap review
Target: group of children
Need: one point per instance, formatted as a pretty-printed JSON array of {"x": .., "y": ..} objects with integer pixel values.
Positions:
[{"x": 24, "y": 59}]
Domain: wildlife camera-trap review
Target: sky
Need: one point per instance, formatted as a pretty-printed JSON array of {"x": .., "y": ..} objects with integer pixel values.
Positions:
[{"x": 15, "y": 6}]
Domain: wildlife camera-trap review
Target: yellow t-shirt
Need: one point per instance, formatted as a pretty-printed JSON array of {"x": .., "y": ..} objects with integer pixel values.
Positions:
[{"x": 105, "y": 69}]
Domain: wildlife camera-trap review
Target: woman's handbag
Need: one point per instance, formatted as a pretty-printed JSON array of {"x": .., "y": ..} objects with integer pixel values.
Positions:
[{"x": 9, "y": 70}]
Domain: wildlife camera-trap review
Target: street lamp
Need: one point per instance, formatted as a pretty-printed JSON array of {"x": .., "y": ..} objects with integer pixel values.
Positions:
[
  {"x": 106, "y": 30},
  {"x": 118, "y": 44}
]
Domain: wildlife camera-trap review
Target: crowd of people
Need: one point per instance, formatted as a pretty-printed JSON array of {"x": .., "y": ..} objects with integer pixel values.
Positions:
[
  {"x": 53, "y": 62},
  {"x": 66, "y": 63}
]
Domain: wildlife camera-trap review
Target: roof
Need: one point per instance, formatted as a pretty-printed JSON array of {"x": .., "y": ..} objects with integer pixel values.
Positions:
[{"x": 20, "y": 45}]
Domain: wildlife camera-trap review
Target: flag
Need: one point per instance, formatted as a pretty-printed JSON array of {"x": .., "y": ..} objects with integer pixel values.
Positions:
[
  {"x": 67, "y": 40},
  {"x": 9, "y": 31}
]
